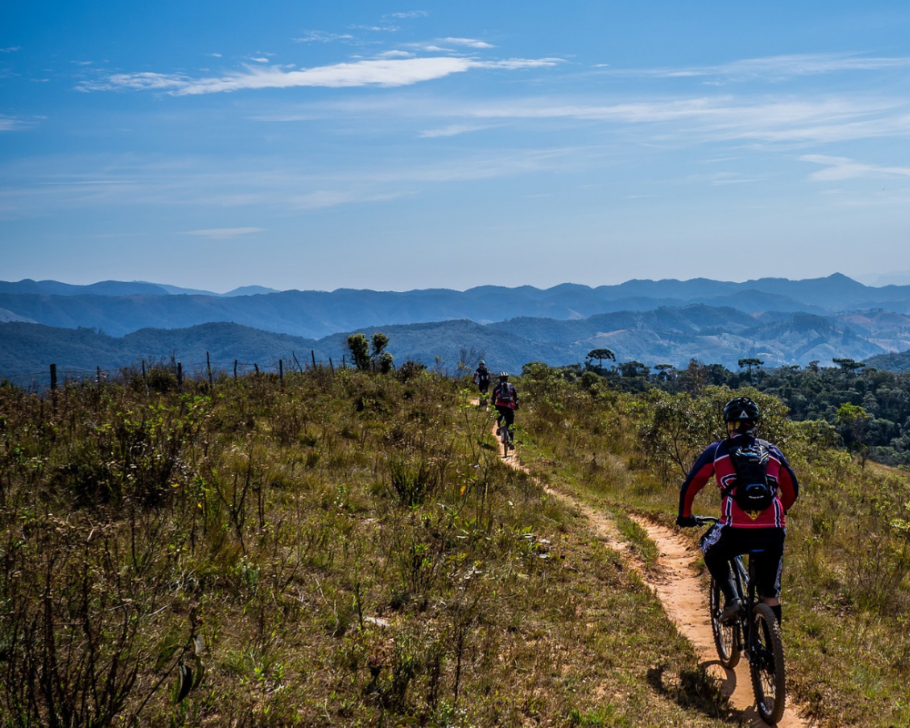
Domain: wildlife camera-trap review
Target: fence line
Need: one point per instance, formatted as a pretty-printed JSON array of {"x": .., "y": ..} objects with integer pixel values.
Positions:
[{"x": 208, "y": 369}]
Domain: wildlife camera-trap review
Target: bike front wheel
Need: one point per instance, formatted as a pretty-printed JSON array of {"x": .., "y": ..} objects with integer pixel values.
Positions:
[
  {"x": 766, "y": 664},
  {"x": 726, "y": 636}
]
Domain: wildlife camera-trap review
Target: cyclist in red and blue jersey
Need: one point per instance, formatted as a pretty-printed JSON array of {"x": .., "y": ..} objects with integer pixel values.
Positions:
[
  {"x": 505, "y": 399},
  {"x": 744, "y": 527}
]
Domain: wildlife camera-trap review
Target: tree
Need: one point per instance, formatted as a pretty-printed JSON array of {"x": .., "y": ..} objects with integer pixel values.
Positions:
[
  {"x": 380, "y": 341},
  {"x": 360, "y": 351},
  {"x": 600, "y": 355},
  {"x": 380, "y": 360},
  {"x": 634, "y": 369},
  {"x": 749, "y": 363},
  {"x": 848, "y": 366},
  {"x": 854, "y": 423}
]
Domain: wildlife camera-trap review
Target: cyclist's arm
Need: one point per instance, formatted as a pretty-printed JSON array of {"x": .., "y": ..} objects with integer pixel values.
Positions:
[
  {"x": 700, "y": 474},
  {"x": 787, "y": 484}
]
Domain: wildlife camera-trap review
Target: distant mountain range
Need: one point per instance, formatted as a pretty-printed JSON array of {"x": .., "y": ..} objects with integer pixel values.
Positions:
[
  {"x": 665, "y": 335},
  {"x": 121, "y": 308},
  {"x": 110, "y": 324}
]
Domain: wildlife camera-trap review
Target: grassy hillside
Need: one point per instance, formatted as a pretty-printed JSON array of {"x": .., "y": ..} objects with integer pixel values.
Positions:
[
  {"x": 846, "y": 577},
  {"x": 349, "y": 548},
  {"x": 344, "y": 549}
]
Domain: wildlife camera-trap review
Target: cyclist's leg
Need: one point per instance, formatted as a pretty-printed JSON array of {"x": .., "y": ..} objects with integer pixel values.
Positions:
[
  {"x": 769, "y": 564},
  {"x": 509, "y": 414},
  {"x": 501, "y": 416},
  {"x": 717, "y": 549}
]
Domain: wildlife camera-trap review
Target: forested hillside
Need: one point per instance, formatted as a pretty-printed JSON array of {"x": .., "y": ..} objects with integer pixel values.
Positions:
[
  {"x": 348, "y": 547},
  {"x": 867, "y": 409}
]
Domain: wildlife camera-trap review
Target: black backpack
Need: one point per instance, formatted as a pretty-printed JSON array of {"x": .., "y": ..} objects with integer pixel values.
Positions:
[{"x": 751, "y": 488}]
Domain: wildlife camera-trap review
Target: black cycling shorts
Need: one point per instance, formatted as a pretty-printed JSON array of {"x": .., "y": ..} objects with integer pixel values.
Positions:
[
  {"x": 722, "y": 543},
  {"x": 507, "y": 414},
  {"x": 483, "y": 386}
]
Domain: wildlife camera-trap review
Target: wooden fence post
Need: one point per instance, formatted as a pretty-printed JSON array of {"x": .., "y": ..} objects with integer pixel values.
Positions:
[
  {"x": 313, "y": 354},
  {"x": 235, "y": 370},
  {"x": 208, "y": 368},
  {"x": 53, "y": 377},
  {"x": 145, "y": 380},
  {"x": 179, "y": 377},
  {"x": 256, "y": 367},
  {"x": 281, "y": 372},
  {"x": 298, "y": 362},
  {"x": 331, "y": 366}
]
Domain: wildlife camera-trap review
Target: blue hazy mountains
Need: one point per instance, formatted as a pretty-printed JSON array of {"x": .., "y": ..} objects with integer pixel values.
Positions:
[{"x": 781, "y": 321}]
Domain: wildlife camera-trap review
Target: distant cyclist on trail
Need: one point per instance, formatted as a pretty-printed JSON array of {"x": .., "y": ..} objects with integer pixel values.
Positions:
[
  {"x": 482, "y": 379},
  {"x": 505, "y": 399},
  {"x": 757, "y": 488}
]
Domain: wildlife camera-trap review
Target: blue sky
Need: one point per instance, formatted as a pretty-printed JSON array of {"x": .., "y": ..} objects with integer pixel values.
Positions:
[{"x": 398, "y": 146}]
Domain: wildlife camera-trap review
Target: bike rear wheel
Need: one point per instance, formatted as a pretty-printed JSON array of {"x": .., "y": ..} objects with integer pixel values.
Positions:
[
  {"x": 726, "y": 636},
  {"x": 766, "y": 664}
]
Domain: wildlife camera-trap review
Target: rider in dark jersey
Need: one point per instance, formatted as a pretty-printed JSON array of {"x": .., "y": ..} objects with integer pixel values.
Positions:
[
  {"x": 482, "y": 379},
  {"x": 741, "y": 531},
  {"x": 505, "y": 399}
]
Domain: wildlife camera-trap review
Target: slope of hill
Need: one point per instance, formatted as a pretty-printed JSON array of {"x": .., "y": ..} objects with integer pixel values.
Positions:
[
  {"x": 666, "y": 335},
  {"x": 899, "y": 362},
  {"x": 33, "y": 347}
]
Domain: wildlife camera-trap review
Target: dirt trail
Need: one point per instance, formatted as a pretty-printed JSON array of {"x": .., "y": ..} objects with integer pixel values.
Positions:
[
  {"x": 683, "y": 596},
  {"x": 686, "y": 603}
]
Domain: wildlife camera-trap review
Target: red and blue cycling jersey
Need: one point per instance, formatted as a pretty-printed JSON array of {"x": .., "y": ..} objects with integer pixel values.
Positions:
[{"x": 715, "y": 461}]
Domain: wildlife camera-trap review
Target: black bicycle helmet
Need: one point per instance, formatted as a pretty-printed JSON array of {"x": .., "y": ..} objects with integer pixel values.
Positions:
[
  {"x": 503, "y": 376},
  {"x": 741, "y": 409}
]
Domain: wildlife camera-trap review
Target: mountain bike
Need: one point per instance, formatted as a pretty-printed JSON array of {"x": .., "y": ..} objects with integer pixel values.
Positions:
[
  {"x": 507, "y": 438},
  {"x": 755, "y": 633}
]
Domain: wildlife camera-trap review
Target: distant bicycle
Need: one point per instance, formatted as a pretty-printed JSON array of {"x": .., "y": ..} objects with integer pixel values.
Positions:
[
  {"x": 754, "y": 632},
  {"x": 507, "y": 438}
]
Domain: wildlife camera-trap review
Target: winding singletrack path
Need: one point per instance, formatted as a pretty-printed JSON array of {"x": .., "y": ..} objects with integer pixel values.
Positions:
[
  {"x": 686, "y": 603},
  {"x": 683, "y": 596}
]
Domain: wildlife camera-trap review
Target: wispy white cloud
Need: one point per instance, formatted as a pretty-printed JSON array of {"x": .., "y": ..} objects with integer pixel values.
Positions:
[
  {"x": 449, "y": 131},
  {"x": 469, "y": 42},
  {"x": 410, "y": 14},
  {"x": 773, "y": 120},
  {"x": 395, "y": 54},
  {"x": 12, "y": 123},
  {"x": 260, "y": 60},
  {"x": 223, "y": 233},
  {"x": 841, "y": 168},
  {"x": 215, "y": 55},
  {"x": 774, "y": 68},
  {"x": 378, "y": 28},
  {"x": 319, "y": 36},
  {"x": 11, "y": 49},
  {"x": 387, "y": 72}
]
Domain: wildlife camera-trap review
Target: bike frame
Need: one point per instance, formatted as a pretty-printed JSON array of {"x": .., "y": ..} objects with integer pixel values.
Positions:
[{"x": 744, "y": 585}]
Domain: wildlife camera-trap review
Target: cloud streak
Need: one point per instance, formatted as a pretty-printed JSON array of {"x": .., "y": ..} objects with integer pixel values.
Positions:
[
  {"x": 449, "y": 131},
  {"x": 841, "y": 168},
  {"x": 385, "y": 72},
  {"x": 319, "y": 36},
  {"x": 775, "y": 68},
  {"x": 223, "y": 233}
]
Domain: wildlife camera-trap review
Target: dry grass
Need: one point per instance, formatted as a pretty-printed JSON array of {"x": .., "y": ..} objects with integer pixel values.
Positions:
[
  {"x": 847, "y": 569},
  {"x": 330, "y": 549}
]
